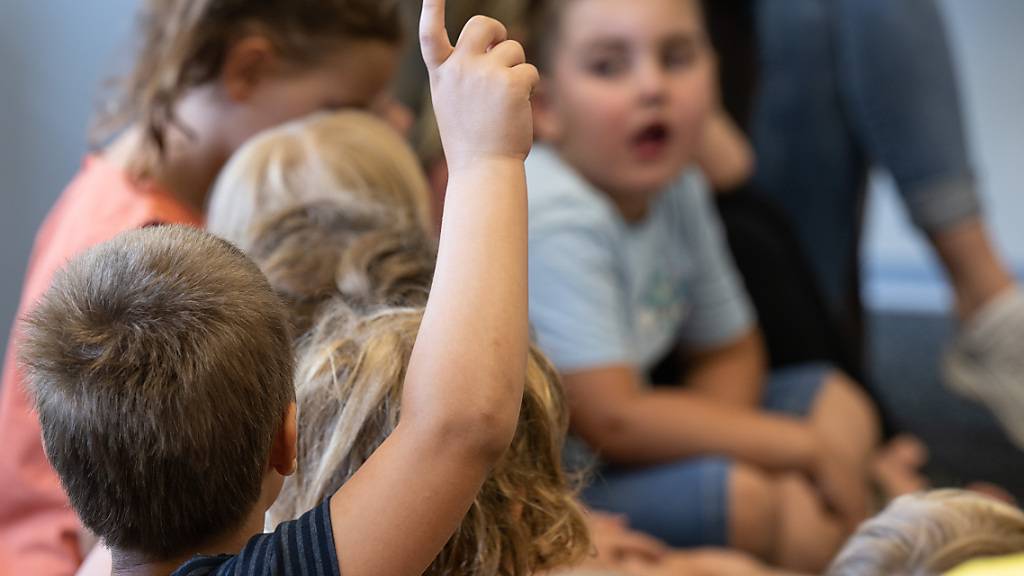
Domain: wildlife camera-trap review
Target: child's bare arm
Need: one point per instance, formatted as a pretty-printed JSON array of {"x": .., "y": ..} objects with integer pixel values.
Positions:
[
  {"x": 634, "y": 424},
  {"x": 464, "y": 384},
  {"x": 733, "y": 373},
  {"x": 724, "y": 154}
]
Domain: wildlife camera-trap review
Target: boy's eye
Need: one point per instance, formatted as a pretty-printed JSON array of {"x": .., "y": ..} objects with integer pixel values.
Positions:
[
  {"x": 608, "y": 66},
  {"x": 679, "y": 56}
]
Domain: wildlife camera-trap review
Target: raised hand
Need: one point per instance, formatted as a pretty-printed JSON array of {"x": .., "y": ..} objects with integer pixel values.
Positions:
[{"x": 481, "y": 88}]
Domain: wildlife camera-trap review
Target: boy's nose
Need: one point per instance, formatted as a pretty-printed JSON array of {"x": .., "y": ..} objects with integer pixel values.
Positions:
[{"x": 651, "y": 83}]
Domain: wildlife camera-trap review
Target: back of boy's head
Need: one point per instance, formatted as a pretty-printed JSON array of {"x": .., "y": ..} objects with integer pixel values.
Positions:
[
  {"x": 313, "y": 252},
  {"x": 183, "y": 44},
  {"x": 349, "y": 377},
  {"x": 160, "y": 364},
  {"x": 930, "y": 534},
  {"x": 350, "y": 157}
]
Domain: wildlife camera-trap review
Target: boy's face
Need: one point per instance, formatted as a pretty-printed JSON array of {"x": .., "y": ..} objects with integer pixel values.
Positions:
[{"x": 629, "y": 85}]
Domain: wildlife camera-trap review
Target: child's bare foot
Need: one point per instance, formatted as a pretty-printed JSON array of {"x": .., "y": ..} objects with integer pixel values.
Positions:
[
  {"x": 992, "y": 491},
  {"x": 896, "y": 468}
]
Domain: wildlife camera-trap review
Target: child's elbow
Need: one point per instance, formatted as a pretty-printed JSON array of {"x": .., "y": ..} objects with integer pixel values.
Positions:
[
  {"x": 480, "y": 430},
  {"x": 611, "y": 433},
  {"x": 481, "y": 434},
  {"x": 473, "y": 421}
]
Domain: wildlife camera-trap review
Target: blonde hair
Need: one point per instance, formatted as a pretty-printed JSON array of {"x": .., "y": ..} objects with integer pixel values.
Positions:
[
  {"x": 342, "y": 272},
  {"x": 343, "y": 237},
  {"x": 349, "y": 376},
  {"x": 931, "y": 533},
  {"x": 352, "y": 158}
]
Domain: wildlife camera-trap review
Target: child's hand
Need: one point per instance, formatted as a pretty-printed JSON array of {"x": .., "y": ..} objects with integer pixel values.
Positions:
[
  {"x": 481, "y": 89},
  {"x": 615, "y": 542}
]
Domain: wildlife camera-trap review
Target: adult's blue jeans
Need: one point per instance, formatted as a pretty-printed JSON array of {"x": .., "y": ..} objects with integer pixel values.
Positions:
[{"x": 844, "y": 85}]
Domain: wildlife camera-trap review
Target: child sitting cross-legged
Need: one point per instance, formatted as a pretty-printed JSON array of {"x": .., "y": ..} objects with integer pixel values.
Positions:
[{"x": 634, "y": 297}]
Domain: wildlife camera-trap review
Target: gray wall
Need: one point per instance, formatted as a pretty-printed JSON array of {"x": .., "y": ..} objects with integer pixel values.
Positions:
[
  {"x": 53, "y": 54},
  {"x": 986, "y": 35}
]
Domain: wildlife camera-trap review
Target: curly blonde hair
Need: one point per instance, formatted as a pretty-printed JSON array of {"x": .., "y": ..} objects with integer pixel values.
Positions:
[
  {"x": 931, "y": 533},
  {"x": 349, "y": 376},
  {"x": 356, "y": 283},
  {"x": 352, "y": 158},
  {"x": 342, "y": 232}
]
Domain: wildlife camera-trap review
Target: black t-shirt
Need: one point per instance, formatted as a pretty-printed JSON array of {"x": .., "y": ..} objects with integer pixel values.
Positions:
[{"x": 303, "y": 547}]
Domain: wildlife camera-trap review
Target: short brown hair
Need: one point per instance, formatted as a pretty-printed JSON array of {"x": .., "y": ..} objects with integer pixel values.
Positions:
[
  {"x": 160, "y": 364},
  {"x": 184, "y": 42}
]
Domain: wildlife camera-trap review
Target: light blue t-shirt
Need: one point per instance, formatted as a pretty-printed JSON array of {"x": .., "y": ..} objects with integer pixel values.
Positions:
[{"x": 605, "y": 292}]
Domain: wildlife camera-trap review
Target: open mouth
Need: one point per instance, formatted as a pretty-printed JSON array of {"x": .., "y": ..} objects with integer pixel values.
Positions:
[{"x": 652, "y": 140}]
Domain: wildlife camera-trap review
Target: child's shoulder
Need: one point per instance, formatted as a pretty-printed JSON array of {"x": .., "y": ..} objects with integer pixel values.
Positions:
[
  {"x": 102, "y": 201},
  {"x": 560, "y": 198},
  {"x": 688, "y": 204},
  {"x": 98, "y": 204},
  {"x": 690, "y": 189}
]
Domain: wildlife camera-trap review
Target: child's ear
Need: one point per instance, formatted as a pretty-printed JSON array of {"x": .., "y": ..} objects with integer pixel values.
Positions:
[
  {"x": 546, "y": 124},
  {"x": 284, "y": 453},
  {"x": 248, "y": 62}
]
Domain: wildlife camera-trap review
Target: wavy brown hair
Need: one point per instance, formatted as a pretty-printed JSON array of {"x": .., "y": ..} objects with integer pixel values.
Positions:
[
  {"x": 349, "y": 376},
  {"x": 183, "y": 44},
  {"x": 316, "y": 251}
]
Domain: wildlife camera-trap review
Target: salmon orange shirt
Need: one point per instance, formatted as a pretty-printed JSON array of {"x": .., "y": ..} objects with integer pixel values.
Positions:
[{"x": 38, "y": 529}]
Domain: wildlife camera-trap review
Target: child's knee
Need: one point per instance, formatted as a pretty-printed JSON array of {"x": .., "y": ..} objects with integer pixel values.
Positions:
[
  {"x": 842, "y": 397},
  {"x": 754, "y": 512}
]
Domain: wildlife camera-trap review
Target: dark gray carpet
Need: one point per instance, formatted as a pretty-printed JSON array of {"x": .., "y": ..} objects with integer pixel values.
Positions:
[{"x": 965, "y": 441}]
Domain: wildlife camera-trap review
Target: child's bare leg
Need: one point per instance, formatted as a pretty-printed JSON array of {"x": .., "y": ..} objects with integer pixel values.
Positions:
[
  {"x": 754, "y": 513},
  {"x": 846, "y": 422},
  {"x": 849, "y": 426},
  {"x": 975, "y": 270},
  {"x": 702, "y": 562},
  {"x": 808, "y": 535},
  {"x": 781, "y": 520}
]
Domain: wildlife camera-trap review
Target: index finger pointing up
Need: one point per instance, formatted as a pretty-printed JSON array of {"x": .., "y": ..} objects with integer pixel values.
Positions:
[{"x": 433, "y": 36}]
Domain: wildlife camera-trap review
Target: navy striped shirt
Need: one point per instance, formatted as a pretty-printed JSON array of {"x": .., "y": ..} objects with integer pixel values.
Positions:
[{"x": 303, "y": 547}]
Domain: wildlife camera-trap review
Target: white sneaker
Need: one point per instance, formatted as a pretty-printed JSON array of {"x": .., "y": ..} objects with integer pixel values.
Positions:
[{"x": 986, "y": 361}]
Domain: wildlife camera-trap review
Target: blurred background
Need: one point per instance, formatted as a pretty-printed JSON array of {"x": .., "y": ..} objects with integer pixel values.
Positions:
[{"x": 55, "y": 55}]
